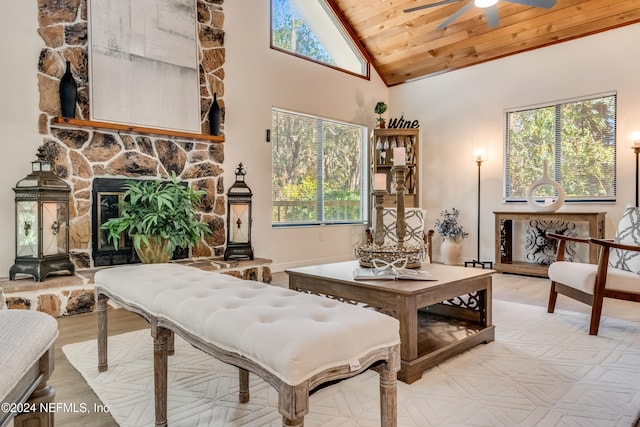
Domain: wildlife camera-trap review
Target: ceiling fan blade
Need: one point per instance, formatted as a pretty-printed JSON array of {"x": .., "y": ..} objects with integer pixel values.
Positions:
[
  {"x": 492, "y": 16},
  {"x": 546, "y": 4},
  {"x": 455, "y": 16},
  {"x": 426, "y": 6}
]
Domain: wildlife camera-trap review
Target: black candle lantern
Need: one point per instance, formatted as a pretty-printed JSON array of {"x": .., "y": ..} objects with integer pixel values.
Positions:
[
  {"x": 239, "y": 218},
  {"x": 42, "y": 223}
]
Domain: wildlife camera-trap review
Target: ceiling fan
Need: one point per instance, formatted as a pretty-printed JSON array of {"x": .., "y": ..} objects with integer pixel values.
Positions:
[{"x": 490, "y": 9}]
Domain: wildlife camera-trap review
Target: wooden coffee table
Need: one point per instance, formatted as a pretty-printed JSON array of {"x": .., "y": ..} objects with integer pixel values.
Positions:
[{"x": 435, "y": 323}]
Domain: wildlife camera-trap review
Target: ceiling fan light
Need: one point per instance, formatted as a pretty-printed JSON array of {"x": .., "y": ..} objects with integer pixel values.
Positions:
[{"x": 485, "y": 3}]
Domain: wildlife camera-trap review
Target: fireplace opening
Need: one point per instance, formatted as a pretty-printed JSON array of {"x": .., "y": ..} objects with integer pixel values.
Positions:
[{"x": 107, "y": 193}]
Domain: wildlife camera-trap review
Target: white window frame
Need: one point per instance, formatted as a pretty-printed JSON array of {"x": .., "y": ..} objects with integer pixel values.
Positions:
[
  {"x": 364, "y": 174},
  {"x": 555, "y": 162}
]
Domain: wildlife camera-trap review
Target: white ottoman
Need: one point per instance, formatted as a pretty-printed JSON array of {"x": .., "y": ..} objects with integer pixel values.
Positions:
[{"x": 292, "y": 340}]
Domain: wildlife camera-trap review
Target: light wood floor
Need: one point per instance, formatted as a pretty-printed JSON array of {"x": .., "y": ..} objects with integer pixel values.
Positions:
[{"x": 70, "y": 386}]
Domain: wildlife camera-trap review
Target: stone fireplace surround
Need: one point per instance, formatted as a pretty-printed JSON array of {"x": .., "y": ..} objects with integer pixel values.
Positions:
[{"x": 80, "y": 154}]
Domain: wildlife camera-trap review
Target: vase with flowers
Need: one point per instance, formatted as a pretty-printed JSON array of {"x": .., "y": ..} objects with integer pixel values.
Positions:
[{"x": 452, "y": 234}]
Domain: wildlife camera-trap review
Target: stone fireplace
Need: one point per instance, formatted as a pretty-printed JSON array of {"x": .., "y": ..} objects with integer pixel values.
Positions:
[
  {"x": 85, "y": 154},
  {"x": 89, "y": 157}
]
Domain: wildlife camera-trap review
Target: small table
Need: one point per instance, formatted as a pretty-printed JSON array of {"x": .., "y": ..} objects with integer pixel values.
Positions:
[
  {"x": 504, "y": 262},
  {"x": 434, "y": 323}
]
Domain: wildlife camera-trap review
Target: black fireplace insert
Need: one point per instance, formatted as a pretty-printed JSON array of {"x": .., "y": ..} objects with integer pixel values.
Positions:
[{"x": 107, "y": 194}]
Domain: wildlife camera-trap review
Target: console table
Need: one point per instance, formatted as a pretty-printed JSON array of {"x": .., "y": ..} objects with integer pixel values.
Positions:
[{"x": 504, "y": 262}]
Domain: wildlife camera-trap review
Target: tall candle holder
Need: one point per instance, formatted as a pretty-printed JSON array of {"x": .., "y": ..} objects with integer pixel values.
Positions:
[
  {"x": 378, "y": 237},
  {"x": 395, "y": 255},
  {"x": 401, "y": 225}
]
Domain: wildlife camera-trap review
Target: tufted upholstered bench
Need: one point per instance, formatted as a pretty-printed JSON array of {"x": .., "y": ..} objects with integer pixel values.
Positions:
[
  {"x": 294, "y": 341},
  {"x": 26, "y": 360}
]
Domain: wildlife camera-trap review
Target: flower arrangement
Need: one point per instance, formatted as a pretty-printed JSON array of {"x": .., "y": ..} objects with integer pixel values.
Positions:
[{"x": 448, "y": 225}]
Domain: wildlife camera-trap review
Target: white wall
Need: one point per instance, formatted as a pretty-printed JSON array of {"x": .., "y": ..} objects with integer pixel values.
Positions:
[
  {"x": 20, "y": 48},
  {"x": 456, "y": 107},
  {"x": 257, "y": 79}
]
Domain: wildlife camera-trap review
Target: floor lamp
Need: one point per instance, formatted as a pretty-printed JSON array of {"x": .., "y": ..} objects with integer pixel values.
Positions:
[
  {"x": 636, "y": 149},
  {"x": 479, "y": 156}
]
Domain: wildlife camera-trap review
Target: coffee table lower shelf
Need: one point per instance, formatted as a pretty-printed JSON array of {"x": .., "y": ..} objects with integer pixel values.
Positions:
[{"x": 439, "y": 339}]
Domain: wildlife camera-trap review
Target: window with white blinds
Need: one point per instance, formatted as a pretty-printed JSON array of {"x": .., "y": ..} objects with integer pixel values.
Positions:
[
  {"x": 576, "y": 137},
  {"x": 319, "y": 170}
]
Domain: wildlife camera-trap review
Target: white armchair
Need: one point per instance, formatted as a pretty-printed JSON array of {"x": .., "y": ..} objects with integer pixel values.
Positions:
[{"x": 617, "y": 274}]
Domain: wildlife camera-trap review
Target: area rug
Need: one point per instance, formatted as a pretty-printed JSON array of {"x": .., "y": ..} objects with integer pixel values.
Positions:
[{"x": 542, "y": 370}]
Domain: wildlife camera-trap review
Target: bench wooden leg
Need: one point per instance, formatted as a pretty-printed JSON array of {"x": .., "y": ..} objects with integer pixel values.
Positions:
[
  {"x": 43, "y": 394},
  {"x": 293, "y": 404},
  {"x": 101, "y": 312},
  {"x": 388, "y": 372},
  {"x": 297, "y": 422},
  {"x": 34, "y": 419},
  {"x": 160, "y": 364},
  {"x": 243, "y": 380},
  {"x": 388, "y": 396}
]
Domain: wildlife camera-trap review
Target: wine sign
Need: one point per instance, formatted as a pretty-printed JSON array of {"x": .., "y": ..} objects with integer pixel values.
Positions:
[{"x": 401, "y": 123}]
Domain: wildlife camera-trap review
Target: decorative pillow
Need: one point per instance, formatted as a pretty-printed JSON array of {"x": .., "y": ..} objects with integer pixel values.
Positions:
[
  {"x": 414, "y": 217},
  {"x": 628, "y": 233}
]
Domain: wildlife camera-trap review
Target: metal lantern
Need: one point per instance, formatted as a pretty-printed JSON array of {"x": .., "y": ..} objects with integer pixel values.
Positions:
[
  {"x": 239, "y": 218},
  {"x": 42, "y": 223}
]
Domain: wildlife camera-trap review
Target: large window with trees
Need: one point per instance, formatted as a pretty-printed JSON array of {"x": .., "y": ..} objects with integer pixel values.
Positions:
[
  {"x": 577, "y": 137},
  {"x": 319, "y": 170},
  {"x": 310, "y": 29}
]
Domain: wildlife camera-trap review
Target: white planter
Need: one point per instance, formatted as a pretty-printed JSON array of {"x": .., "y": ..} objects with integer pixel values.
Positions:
[{"x": 451, "y": 249}]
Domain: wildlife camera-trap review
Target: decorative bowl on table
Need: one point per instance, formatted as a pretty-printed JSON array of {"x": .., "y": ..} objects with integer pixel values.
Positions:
[{"x": 390, "y": 254}]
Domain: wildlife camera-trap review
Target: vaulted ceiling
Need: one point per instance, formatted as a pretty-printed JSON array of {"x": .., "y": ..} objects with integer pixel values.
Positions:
[{"x": 407, "y": 45}]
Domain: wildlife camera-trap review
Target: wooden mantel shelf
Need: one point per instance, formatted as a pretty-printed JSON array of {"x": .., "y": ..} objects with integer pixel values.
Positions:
[{"x": 65, "y": 121}]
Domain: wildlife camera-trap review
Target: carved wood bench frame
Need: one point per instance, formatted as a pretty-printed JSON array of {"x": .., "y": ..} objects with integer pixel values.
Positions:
[
  {"x": 293, "y": 400},
  {"x": 32, "y": 392}
]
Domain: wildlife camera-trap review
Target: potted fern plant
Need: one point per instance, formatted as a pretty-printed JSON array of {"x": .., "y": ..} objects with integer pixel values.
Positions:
[{"x": 158, "y": 216}]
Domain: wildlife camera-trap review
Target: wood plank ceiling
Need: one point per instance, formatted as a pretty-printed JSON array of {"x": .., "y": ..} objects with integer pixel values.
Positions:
[{"x": 405, "y": 46}]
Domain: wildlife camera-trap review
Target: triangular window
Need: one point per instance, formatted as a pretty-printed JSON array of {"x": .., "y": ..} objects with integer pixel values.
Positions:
[{"x": 310, "y": 29}]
